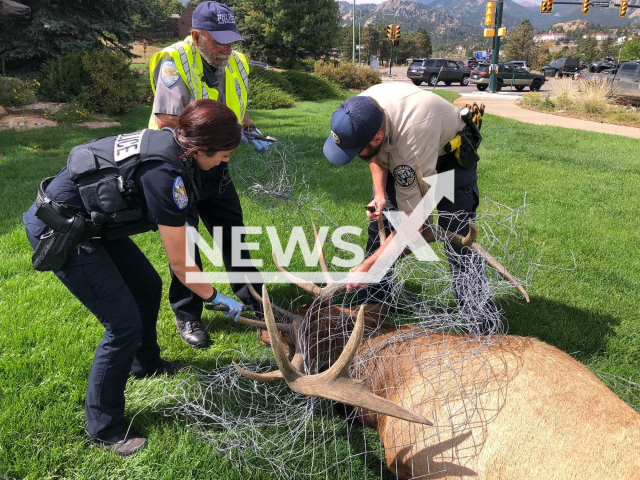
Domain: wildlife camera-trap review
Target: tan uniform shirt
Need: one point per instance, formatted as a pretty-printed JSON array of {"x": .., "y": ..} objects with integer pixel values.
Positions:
[{"x": 419, "y": 124}]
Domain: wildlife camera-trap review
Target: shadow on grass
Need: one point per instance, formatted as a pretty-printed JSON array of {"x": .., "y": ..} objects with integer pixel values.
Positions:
[{"x": 581, "y": 333}]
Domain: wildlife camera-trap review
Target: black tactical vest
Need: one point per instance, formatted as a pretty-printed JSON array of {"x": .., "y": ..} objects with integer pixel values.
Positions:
[{"x": 104, "y": 170}]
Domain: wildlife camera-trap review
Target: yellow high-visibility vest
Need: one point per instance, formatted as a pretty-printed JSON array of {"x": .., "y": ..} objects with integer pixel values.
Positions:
[{"x": 190, "y": 68}]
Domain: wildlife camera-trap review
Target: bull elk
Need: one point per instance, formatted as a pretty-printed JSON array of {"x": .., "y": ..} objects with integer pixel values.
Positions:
[{"x": 453, "y": 405}]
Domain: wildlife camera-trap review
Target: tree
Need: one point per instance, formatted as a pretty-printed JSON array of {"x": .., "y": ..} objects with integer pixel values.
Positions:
[
  {"x": 630, "y": 50},
  {"x": 607, "y": 48},
  {"x": 59, "y": 28},
  {"x": 520, "y": 44},
  {"x": 425, "y": 48},
  {"x": 287, "y": 30},
  {"x": 588, "y": 49},
  {"x": 150, "y": 19}
]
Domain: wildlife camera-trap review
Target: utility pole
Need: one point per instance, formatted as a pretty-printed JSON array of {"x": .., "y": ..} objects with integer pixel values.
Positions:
[
  {"x": 359, "y": 41},
  {"x": 354, "y": 32},
  {"x": 495, "y": 53}
]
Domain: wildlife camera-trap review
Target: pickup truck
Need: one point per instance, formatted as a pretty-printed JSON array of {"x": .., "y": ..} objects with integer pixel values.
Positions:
[
  {"x": 507, "y": 75},
  {"x": 625, "y": 80}
]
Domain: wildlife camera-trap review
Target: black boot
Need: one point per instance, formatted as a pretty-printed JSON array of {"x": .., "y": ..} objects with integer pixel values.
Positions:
[{"x": 192, "y": 333}]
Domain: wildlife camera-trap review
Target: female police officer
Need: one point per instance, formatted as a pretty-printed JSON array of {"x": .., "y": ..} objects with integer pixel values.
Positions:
[{"x": 79, "y": 227}]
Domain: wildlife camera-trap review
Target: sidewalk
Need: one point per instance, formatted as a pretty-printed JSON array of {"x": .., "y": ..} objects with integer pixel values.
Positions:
[{"x": 503, "y": 104}]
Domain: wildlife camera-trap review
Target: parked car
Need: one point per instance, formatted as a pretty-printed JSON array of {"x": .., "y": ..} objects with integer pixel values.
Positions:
[
  {"x": 561, "y": 67},
  {"x": 606, "y": 64},
  {"x": 427, "y": 70},
  {"x": 625, "y": 80},
  {"x": 506, "y": 75},
  {"x": 518, "y": 63}
]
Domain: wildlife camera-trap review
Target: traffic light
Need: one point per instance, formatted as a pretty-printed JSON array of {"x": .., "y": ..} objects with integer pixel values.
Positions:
[
  {"x": 397, "y": 37},
  {"x": 502, "y": 31},
  {"x": 585, "y": 7},
  {"x": 546, "y": 6},
  {"x": 489, "y": 14},
  {"x": 390, "y": 32},
  {"x": 623, "y": 7},
  {"x": 489, "y": 32}
]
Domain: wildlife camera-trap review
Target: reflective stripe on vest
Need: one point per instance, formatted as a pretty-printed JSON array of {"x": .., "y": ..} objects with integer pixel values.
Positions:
[{"x": 189, "y": 65}]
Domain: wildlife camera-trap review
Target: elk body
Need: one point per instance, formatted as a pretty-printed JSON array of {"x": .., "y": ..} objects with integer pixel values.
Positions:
[{"x": 458, "y": 406}]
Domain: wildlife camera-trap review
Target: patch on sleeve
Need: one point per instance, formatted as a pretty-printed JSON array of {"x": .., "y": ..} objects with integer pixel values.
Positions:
[
  {"x": 405, "y": 175},
  {"x": 169, "y": 73},
  {"x": 180, "y": 193}
]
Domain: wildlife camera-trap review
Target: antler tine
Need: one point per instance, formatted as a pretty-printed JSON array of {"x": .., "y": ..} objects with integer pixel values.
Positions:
[
  {"x": 323, "y": 262},
  {"x": 309, "y": 287},
  {"x": 286, "y": 368},
  {"x": 502, "y": 271},
  {"x": 469, "y": 241},
  {"x": 282, "y": 327},
  {"x": 382, "y": 234},
  {"x": 295, "y": 318}
]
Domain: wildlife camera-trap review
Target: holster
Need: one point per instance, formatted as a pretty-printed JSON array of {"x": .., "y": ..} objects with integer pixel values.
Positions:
[{"x": 67, "y": 230}]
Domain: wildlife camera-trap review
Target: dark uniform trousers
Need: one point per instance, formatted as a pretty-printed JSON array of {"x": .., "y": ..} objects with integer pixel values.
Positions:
[
  {"x": 452, "y": 216},
  {"x": 218, "y": 206},
  {"x": 119, "y": 286}
]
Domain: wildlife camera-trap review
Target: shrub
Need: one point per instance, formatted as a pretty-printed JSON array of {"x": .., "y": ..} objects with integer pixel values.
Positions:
[
  {"x": 17, "y": 93},
  {"x": 264, "y": 95},
  {"x": 113, "y": 87},
  {"x": 547, "y": 104},
  {"x": 531, "y": 99},
  {"x": 62, "y": 78},
  {"x": 564, "y": 90},
  {"x": 310, "y": 87},
  {"x": 72, "y": 113},
  {"x": 270, "y": 77},
  {"x": 347, "y": 75},
  {"x": 594, "y": 95}
]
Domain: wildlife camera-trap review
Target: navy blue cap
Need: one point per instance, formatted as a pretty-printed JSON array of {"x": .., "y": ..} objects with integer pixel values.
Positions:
[
  {"x": 217, "y": 19},
  {"x": 353, "y": 126}
]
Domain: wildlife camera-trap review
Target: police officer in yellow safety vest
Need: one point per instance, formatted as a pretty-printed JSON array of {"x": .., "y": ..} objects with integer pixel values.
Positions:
[{"x": 204, "y": 65}]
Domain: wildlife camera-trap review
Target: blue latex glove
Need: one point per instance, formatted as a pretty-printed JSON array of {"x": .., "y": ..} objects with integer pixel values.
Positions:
[
  {"x": 260, "y": 145},
  {"x": 235, "y": 308}
]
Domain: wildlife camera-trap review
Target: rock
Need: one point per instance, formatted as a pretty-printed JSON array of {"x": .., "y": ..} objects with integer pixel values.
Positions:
[
  {"x": 3, "y": 112},
  {"x": 99, "y": 124},
  {"x": 25, "y": 123},
  {"x": 42, "y": 107}
]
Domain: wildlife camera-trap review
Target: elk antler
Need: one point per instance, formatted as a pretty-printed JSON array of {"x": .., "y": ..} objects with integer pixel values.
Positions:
[{"x": 336, "y": 382}]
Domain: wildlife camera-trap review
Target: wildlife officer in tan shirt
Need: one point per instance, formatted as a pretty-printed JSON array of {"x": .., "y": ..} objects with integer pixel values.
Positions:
[{"x": 402, "y": 132}]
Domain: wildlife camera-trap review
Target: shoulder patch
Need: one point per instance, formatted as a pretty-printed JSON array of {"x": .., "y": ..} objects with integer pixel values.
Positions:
[
  {"x": 169, "y": 73},
  {"x": 405, "y": 175},
  {"x": 180, "y": 193}
]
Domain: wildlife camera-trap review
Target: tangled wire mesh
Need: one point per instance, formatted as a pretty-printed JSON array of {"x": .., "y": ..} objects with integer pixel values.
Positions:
[{"x": 431, "y": 340}]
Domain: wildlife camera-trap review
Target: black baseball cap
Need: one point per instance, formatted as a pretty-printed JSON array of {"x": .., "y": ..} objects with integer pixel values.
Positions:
[
  {"x": 353, "y": 126},
  {"x": 217, "y": 19}
]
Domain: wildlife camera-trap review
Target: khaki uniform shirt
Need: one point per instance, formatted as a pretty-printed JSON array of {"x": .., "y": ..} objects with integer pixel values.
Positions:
[{"x": 418, "y": 126}]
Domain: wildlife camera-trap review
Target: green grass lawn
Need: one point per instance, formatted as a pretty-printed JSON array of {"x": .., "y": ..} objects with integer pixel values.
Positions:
[{"x": 582, "y": 191}]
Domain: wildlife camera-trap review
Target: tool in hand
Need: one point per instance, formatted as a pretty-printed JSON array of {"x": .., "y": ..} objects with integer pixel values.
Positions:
[{"x": 222, "y": 308}]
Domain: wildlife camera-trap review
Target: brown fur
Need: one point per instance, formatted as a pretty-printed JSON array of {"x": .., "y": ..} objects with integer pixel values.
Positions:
[{"x": 510, "y": 408}]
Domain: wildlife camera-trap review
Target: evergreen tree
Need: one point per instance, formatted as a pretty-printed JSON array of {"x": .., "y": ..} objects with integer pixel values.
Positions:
[
  {"x": 425, "y": 49},
  {"x": 520, "y": 44},
  {"x": 287, "y": 30},
  {"x": 607, "y": 48},
  {"x": 588, "y": 49},
  {"x": 59, "y": 28}
]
